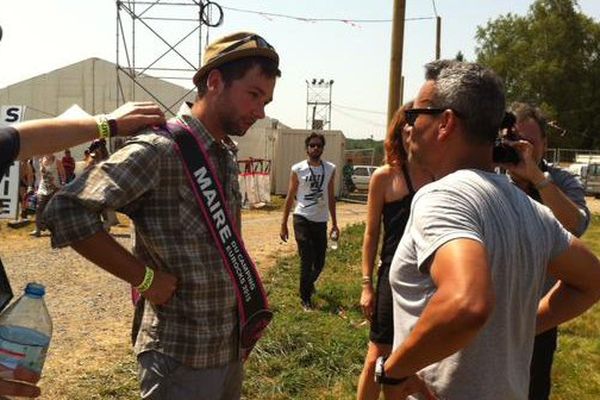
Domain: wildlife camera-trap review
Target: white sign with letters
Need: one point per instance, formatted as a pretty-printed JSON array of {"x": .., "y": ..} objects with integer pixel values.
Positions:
[{"x": 9, "y": 183}]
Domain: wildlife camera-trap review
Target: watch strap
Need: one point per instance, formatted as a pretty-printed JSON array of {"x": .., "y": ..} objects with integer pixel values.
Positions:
[{"x": 380, "y": 374}]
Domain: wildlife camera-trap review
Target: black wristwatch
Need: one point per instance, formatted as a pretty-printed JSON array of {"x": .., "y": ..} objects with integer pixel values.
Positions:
[{"x": 380, "y": 374}]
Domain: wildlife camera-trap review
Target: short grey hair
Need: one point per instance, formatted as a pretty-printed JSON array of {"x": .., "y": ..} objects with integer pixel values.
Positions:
[
  {"x": 475, "y": 93},
  {"x": 525, "y": 111}
]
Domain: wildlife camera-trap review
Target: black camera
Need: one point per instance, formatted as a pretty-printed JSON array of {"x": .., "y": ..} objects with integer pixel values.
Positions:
[{"x": 503, "y": 153}]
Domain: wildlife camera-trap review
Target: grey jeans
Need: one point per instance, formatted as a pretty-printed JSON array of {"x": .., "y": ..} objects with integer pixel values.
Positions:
[{"x": 164, "y": 378}]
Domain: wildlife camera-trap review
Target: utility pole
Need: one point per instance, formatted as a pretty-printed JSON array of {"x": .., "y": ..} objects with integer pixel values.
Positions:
[
  {"x": 394, "y": 92},
  {"x": 438, "y": 37}
]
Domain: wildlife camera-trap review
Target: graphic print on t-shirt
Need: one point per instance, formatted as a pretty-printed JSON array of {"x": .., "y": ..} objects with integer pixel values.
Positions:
[{"x": 315, "y": 182}]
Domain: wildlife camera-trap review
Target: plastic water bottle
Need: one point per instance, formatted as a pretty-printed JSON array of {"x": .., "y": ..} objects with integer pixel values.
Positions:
[
  {"x": 25, "y": 331},
  {"x": 333, "y": 242}
]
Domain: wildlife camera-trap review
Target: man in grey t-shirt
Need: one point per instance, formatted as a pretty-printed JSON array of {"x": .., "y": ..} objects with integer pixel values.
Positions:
[{"x": 469, "y": 271}]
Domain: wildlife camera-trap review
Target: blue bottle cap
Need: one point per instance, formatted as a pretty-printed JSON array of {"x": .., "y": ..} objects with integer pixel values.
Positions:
[{"x": 35, "y": 289}]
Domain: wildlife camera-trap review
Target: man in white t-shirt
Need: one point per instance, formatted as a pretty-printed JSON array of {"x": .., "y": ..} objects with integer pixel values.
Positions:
[
  {"x": 469, "y": 271},
  {"x": 312, "y": 185}
]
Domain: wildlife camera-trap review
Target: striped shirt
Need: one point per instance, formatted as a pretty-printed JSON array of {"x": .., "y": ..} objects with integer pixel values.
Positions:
[{"x": 145, "y": 180}]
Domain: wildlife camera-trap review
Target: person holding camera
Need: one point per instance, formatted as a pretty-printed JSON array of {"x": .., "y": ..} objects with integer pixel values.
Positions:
[
  {"x": 564, "y": 195},
  {"x": 466, "y": 284}
]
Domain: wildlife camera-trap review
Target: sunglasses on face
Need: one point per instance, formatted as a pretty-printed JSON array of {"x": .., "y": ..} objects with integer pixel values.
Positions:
[
  {"x": 413, "y": 113},
  {"x": 317, "y": 145}
]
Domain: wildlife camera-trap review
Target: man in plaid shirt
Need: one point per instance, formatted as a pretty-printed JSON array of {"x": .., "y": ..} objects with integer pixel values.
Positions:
[{"x": 187, "y": 342}]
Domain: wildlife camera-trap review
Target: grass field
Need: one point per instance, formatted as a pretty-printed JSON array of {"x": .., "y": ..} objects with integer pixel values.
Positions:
[
  {"x": 319, "y": 354},
  {"x": 576, "y": 374}
]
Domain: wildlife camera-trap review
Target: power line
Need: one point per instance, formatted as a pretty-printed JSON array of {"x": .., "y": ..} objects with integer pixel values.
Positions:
[
  {"x": 349, "y": 21},
  {"x": 365, "y": 120},
  {"x": 360, "y": 109},
  {"x": 434, "y": 8}
]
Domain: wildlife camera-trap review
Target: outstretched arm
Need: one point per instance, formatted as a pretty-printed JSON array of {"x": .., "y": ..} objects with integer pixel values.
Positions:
[{"x": 44, "y": 136}]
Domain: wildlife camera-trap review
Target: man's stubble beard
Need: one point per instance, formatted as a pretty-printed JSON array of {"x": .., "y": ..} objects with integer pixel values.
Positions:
[{"x": 230, "y": 124}]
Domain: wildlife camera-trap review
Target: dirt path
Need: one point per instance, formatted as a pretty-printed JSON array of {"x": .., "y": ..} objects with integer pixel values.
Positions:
[
  {"x": 91, "y": 309},
  {"x": 261, "y": 232},
  {"x": 593, "y": 204}
]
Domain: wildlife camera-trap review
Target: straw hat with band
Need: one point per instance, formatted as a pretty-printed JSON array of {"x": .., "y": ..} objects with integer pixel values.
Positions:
[{"x": 233, "y": 47}]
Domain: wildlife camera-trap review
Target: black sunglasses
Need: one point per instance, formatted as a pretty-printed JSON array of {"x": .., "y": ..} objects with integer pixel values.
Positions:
[
  {"x": 319, "y": 145},
  {"x": 260, "y": 43},
  {"x": 413, "y": 113}
]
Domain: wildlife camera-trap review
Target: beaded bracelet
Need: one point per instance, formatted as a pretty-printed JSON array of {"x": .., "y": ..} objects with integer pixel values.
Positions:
[{"x": 147, "y": 282}]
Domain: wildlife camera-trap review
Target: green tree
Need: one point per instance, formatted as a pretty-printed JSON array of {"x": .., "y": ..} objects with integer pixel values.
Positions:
[{"x": 550, "y": 57}]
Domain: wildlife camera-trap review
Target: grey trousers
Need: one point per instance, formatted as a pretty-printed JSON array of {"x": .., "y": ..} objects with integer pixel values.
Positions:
[{"x": 163, "y": 378}]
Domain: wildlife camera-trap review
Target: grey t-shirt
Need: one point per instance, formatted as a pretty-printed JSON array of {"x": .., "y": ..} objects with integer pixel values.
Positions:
[
  {"x": 572, "y": 187},
  {"x": 521, "y": 237}
]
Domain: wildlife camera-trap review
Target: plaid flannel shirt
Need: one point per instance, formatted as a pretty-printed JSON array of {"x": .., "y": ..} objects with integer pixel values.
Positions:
[{"x": 146, "y": 180}]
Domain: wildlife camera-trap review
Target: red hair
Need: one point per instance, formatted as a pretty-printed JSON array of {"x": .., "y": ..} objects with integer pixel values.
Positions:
[{"x": 395, "y": 154}]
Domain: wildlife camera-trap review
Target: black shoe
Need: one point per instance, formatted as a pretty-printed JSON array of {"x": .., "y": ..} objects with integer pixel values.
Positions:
[{"x": 307, "y": 306}]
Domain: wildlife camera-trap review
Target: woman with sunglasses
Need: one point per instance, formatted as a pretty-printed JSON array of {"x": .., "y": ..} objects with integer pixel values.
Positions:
[{"x": 391, "y": 191}]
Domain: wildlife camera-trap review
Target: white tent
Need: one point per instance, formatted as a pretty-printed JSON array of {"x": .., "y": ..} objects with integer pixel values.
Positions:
[{"x": 75, "y": 112}]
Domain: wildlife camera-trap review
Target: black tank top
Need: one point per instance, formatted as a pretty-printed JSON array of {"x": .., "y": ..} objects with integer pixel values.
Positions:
[{"x": 395, "y": 217}]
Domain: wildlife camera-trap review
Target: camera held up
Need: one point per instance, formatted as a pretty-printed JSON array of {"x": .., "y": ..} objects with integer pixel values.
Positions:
[{"x": 504, "y": 153}]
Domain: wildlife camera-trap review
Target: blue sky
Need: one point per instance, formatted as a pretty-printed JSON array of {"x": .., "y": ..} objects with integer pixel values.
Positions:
[{"x": 40, "y": 36}]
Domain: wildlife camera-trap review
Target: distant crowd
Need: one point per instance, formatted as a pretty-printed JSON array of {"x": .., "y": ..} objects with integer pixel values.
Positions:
[{"x": 40, "y": 179}]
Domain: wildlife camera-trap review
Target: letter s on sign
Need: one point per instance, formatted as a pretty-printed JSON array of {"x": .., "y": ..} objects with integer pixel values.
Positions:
[{"x": 12, "y": 114}]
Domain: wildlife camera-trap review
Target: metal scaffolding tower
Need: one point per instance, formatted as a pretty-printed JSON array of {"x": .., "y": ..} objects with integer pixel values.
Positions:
[
  {"x": 318, "y": 104},
  {"x": 162, "y": 39}
]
